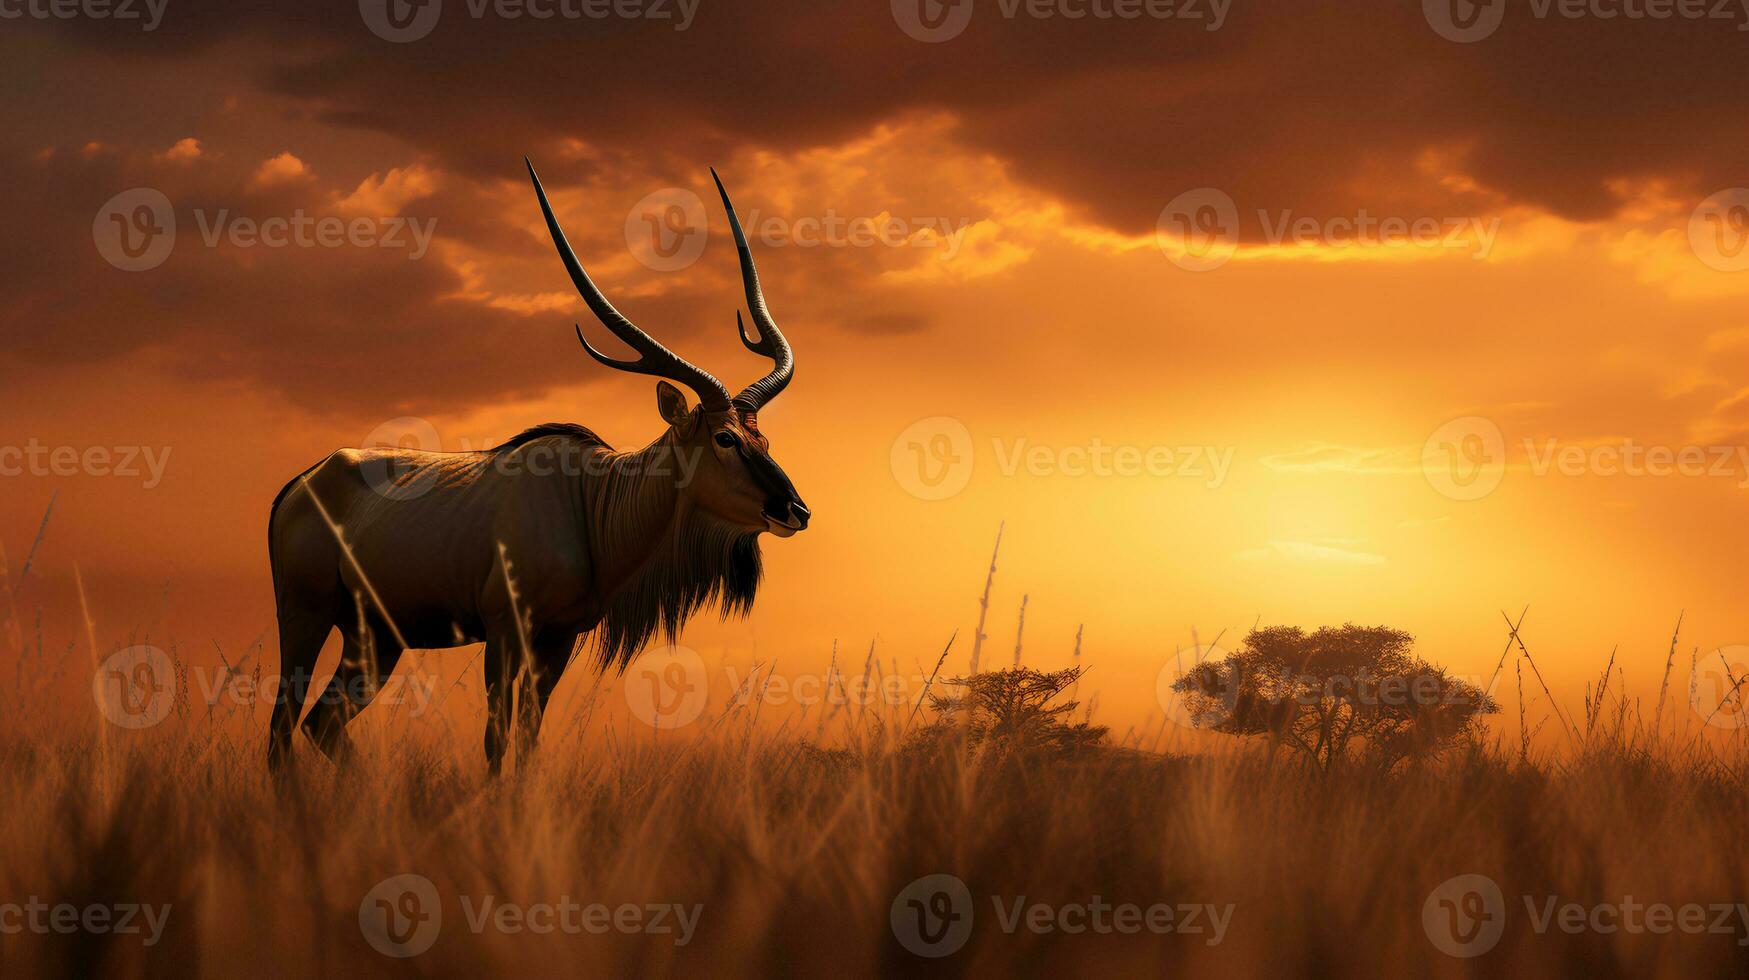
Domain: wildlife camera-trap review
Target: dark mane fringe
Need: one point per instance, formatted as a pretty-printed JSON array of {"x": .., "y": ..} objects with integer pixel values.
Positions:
[
  {"x": 697, "y": 561},
  {"x": 545, "y": 429}
]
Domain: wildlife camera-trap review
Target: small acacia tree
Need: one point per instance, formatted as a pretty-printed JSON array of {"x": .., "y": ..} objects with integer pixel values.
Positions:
[
  {"x": 1013, "y": 709},
  {"x": 1333, "y": 692}
]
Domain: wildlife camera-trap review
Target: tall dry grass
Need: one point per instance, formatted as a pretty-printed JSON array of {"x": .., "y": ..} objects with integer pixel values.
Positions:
[{"x": 795, "y": 846}]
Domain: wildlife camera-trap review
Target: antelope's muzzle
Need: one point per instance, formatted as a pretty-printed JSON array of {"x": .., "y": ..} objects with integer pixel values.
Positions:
[{"x": 784, "y": 511}]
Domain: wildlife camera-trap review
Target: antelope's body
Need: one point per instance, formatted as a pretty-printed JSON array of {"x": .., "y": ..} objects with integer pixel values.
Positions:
[{"x": 533, "y": 545}]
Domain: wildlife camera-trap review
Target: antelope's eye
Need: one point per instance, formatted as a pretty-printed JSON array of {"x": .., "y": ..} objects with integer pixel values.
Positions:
[{"x": 726, "y": 440}]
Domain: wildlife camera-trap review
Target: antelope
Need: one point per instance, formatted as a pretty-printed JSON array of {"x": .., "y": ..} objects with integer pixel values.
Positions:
[{"x": 534, "y": 545}]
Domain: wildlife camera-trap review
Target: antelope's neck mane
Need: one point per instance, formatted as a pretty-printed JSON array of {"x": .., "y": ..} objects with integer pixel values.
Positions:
[{"x": 659, "y": 558}]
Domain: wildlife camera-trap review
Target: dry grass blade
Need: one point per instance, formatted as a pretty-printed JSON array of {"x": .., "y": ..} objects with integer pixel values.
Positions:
[
  {"x": 1594, "y": 707},
  {"x": 41, "y": 530},
  {"x": 979, "y": 636},
  {"x": 1571, "y": 730},
  {"x": 1669, "y": 662},
  {"x": 14, "y": 634},
  {"x": 926, "y": 684},
  {"x": 1510, "y": 638},
  {"x": 1735, "y": 690},
  {"x": 352, "y": 560}
]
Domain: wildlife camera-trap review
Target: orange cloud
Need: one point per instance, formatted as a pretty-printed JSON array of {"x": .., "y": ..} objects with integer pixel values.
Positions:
[
  {"x": 186, "y": 149},
  {"x": 280, "y": 171}
]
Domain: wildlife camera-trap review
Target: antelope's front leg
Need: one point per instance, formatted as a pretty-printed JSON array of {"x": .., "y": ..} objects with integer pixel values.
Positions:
[{"x": 551, "y": 655}]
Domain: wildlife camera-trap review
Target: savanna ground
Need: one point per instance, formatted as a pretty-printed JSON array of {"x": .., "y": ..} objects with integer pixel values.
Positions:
[{"x": 790, "y": 848}]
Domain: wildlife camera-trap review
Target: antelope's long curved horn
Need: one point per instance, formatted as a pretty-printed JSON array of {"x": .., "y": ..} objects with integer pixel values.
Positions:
[
  {"x": 653, "y": 358},
  {"x": 771, "y": 342}
]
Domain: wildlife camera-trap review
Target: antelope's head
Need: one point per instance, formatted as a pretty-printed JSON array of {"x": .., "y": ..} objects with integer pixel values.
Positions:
[{"x": 735, "y": 479}]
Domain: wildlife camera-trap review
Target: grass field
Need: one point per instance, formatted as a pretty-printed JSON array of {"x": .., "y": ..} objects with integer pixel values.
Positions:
[{"x": 734, "y": 847}]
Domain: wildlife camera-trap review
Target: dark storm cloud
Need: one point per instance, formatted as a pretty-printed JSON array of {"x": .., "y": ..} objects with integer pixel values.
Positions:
[
  {"x": 1320, "y": 106},
  {"x": 350, "y": 322}
]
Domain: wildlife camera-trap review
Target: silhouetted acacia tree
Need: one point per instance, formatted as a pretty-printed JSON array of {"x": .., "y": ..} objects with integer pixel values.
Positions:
[
  {"x": 1013, "y": 710},
  {"x": 1334, "y": 691}
]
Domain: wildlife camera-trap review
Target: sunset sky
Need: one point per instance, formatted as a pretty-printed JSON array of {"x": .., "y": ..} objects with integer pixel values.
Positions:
[{"x": 972, "y": 243}]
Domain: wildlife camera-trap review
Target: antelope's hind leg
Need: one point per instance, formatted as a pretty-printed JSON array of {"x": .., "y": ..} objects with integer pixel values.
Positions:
[
  {"x": 356, "y": 681},
  {"x": 301, "y": 635},
  {"x": 498, "y": 666}
]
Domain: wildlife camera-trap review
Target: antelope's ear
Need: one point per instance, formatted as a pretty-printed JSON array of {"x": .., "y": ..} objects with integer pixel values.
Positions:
[{"x": 671, "y": 403}]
